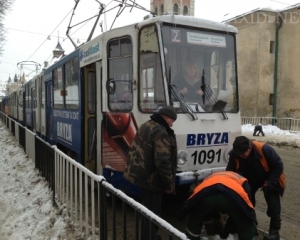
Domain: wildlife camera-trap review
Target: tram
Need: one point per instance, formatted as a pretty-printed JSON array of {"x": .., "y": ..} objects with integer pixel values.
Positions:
[{"x": 92, "y": 101}]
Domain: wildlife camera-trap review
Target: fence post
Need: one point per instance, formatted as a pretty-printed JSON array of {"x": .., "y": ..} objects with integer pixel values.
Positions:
[{"x": 102, "y": 211}]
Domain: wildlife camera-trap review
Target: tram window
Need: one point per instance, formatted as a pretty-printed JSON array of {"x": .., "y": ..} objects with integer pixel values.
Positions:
[
  {"x": 215, "y": 58},
  {"x": 91, "y": 92},
  {"x": 43, "y": 94},
  {"x": 120, "y": 74},
  {"x": 57, "y": 88},
  {"x": 114, "y": 48},
  {"x": 26, "y": 96},
  {"x": 71, "y": 84},
  {"x": 20, "y": 98},
  {"x": 29, "y": 96},
  {"x": 126, "y": 46},
  {"x": 151, "y": 92}
]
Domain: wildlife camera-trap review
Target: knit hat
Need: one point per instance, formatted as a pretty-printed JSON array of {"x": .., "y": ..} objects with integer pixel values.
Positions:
[
  {"x": 168, "y": 111},
  {"x": 241, "y": 145}
]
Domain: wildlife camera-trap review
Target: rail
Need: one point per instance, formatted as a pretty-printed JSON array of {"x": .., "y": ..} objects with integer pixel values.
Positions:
[{"x": 87, "y": 198}]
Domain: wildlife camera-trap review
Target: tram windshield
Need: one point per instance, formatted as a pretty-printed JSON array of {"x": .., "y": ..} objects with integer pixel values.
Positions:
[{"x": 200, "y": 66}]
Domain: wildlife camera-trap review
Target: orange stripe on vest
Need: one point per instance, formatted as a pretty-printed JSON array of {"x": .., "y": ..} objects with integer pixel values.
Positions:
[
  {"x": 229, "y": 179},
  {"x": 263, "y": 162}
]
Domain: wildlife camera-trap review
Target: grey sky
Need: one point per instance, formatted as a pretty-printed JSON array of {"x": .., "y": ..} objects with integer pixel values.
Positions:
[{"x": 30, "y": 22}]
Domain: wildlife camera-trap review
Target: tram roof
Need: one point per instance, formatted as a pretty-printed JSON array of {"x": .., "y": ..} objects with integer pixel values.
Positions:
[{"x": 191, "y": 21}]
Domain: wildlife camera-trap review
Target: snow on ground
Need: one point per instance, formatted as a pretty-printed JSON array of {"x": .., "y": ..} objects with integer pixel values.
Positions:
[
  {"x": 273, "y": 131},
  {"x": 26, "y": 201},
  {"x": 274, "y": 136}
]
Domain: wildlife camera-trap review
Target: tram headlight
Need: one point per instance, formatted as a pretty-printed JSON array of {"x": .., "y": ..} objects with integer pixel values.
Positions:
[
  {"x": 181, "y": 158},
  {"x": 227, "y": 153}
]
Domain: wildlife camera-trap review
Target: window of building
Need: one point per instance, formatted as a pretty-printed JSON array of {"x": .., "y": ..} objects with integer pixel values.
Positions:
[
  {"x": 156, "y": 11},
  {"x": 162, "y": 10},
  {"x": 271, "y": 99},
  {"x": 272, "y": 47},
  {"x": 185, "y": 10},
  {"x": 175, "y": 9}
]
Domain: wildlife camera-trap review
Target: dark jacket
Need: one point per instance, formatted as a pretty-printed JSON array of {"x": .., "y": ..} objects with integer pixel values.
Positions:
[
  {"x": 191, "y": 95},
  {"x": 252, "y": 169},
  {"x": 233, "y": 186},
  {"x": 152, "y": 158}
]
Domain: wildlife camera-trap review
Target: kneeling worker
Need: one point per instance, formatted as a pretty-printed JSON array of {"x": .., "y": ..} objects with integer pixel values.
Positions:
[{"x": 221, "y": 193}]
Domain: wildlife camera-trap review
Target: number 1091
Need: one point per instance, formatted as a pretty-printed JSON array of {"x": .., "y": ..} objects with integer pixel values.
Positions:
[{"x": 202, "y": 157}]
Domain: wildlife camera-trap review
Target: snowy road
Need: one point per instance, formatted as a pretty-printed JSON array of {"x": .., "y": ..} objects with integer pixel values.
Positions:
[{"x": 26, "y": 201}]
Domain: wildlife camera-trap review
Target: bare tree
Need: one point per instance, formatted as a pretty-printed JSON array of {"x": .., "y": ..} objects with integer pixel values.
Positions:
[{"x": 5, "y": 6}]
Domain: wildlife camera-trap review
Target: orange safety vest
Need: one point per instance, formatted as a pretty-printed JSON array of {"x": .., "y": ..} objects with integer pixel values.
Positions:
[
  {"x": 229, "y": 179},
  {"x": 258, "y": 146}
]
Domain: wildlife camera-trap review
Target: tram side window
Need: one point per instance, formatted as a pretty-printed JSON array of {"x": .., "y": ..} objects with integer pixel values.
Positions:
[
  {"x": 28, "y": 96},
  {"x": 58, "y": 88},
  {"x": 71, "y": 81},
  {"x": 21, "y": 98},
  {"x": 43, "y": 94},
  {"x": 151, "y": 92},
  {"x": 120, "y": 74}
]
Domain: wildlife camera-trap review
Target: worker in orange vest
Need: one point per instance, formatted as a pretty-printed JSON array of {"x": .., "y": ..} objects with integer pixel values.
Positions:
[
  {"x": 221, "y": 193},
  {"x": 263, "y": 167}
]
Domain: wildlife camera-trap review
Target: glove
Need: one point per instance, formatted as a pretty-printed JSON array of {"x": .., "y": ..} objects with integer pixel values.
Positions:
[{"x": 266, "y": 187}]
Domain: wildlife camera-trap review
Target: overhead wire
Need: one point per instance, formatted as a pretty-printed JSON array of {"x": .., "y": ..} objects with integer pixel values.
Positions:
[
  {"x": 50, "y": 34},
  {"x": 72, "y": 34},
  {"x": 19, "y": 30}
]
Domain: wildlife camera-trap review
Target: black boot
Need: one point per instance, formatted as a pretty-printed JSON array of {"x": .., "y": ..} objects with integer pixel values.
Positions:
[{"x": 274, "y": 228}]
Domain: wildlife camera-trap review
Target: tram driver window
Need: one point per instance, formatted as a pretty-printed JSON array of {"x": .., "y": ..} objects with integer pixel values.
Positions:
[{"x": 151, "y": 91}]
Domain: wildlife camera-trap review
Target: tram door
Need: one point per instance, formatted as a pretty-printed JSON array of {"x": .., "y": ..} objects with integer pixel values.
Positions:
[{"x": 89, "y": 128}]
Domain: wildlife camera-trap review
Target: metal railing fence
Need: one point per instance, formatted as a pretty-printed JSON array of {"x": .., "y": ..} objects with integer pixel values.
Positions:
[
  {"x": 84, "y": 195},
  {"x": 288, "y": 124}
]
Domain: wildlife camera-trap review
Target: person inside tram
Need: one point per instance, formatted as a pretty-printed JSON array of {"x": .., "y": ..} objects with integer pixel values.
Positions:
[{"x": 189, "y": 82}]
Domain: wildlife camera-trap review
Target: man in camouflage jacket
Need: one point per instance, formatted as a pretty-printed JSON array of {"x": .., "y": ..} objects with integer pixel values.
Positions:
[{"x": 152, "y": 162}]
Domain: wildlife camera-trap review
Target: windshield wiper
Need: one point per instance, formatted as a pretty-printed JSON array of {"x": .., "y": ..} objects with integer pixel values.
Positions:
[
  {"x": 209, "y": 95},
  {"x": 183, "y": 102}
]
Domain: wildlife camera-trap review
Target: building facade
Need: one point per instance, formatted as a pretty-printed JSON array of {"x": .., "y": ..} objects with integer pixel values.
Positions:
[
  {"x": 177, "y": 7},
  {"x": 268, "y": 56}
]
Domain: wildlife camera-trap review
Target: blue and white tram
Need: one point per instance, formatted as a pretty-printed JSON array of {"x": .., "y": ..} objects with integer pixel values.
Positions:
[
  {"x": 91, "y": 102},
  {"x": 133, "y": 69}
]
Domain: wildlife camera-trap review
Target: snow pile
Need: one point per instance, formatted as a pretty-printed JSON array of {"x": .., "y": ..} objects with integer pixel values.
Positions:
[{"x": 273, "y": 136}]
